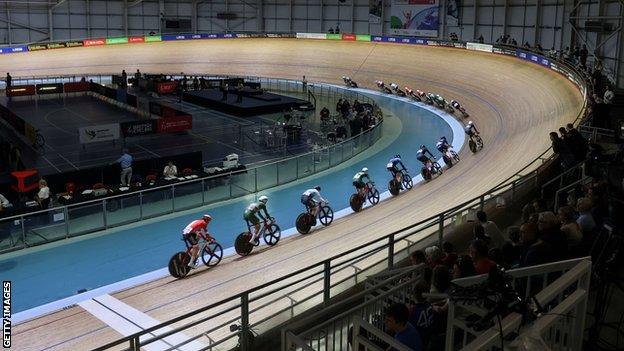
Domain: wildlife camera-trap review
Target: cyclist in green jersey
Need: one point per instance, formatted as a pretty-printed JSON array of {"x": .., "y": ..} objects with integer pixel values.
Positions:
[
  {"x": 358, "y": 181},
  {"x": 251, "y": 216}
]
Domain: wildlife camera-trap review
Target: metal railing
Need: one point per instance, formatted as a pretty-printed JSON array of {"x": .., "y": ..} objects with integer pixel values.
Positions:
[{"x": 63, "y": 222}]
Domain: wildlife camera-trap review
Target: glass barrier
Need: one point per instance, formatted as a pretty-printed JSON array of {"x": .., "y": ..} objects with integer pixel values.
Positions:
[{"x": 63, "y": 222}]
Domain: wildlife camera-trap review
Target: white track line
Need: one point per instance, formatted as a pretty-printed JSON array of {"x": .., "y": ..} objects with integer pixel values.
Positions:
[{"x": 127, "y": 321}]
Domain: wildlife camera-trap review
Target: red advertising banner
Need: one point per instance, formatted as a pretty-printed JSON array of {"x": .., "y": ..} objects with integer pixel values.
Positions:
[
  {"x": 175, "y": 124},
  {"x": 21, "y": 90},
  {"x": 348, "y": 37},
  {"x": 93, "y": 42},
  {"x": 75, "y": 87},
  {"x": 136, "y": 39},
  {"x": 166, "y": 87}
]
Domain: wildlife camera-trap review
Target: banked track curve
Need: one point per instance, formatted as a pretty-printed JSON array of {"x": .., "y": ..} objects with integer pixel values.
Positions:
[{"x": 514, "y": 104}]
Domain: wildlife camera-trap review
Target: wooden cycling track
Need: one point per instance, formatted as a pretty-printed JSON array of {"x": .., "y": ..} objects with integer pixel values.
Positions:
[{"x": 513, "y": 103}]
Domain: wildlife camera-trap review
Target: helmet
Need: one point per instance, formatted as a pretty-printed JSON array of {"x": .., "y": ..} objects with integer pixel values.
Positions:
[
  {"x": 423, "y": 146},
  {"x": 207, "y": 218},
  {"x": 397, "y": 156},
  {"x": 470, "y": 123},
  {"x": 318, "y": 188},
  {"x": 263, "y": 199},
  {"x": 443, "y": 138},
  {"x": 365, "y": 170}
]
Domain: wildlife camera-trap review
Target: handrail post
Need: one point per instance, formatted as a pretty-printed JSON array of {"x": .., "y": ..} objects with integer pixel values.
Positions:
[
  {"x": 23, "y": 230},
  {"x": 481, "y": 202},
  {"x": 104, "y": 219},
  {"x": 141, "y": 205},
  {"x": 390, "y": 251},
  {"x": 135, "y": 344},
  {"x": 244, "y": 330},
  {"x": 513, "y": 190},
  {"x": 326, "y": 281},
  {"x": 66, "y": 215},
  {"x": 441, "y": 229}
]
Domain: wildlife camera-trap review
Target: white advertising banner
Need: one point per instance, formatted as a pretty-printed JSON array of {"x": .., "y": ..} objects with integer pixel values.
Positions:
[
  {"x": 414, "y": 18},
  {"x": 104, "y": 132},
  {"x": 479, "y": 47},
  {"x": 311, "y": 36}
]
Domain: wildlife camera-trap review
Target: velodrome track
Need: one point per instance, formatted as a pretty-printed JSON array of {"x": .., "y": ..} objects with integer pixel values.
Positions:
[{"x": 514, "y": 104}]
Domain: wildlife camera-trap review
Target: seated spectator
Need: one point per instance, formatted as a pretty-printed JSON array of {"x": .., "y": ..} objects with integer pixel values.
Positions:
[
  {"x": 479, "y": 234},
  {"x": 324, "y": 114},
  {"x": 421, "y": 312},
  {"x": 549, "y": 231},
  {"x": 170, "y": 170},
  {"x": 513, "y": 233},
  {"x": 418, "y": 257},
  {"x": 43, "y": 196},
  {"x": 569, "y": 227},
  {"x": 585, "y": 219},
  {"x": 537, "y": 253},
  {"x": 491, "y": 230},
  {"x": 479, "y": 253},
  {"x": 440, "y": 280},
  {"x": 464, "y": 267},
  {"x": 510, "y": 254},
  {"x": 397, "y": 323},
  {"x": 434, "y": 256},
  {"x": 608, "y": 96},
  {"x": 450, "y": 256},
  {"x": 4, "y": 203}
]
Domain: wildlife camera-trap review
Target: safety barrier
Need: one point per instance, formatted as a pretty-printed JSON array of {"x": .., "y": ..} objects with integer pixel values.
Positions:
[{"x": 63, "y": 222}]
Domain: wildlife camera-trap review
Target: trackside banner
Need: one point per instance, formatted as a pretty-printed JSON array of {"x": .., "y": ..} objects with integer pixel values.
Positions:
[
  {"x": 311, "y": 36},
  {"x": 400, "y": 40},
  {"x": 14, "y": 49},
  {"x": 479, "y": 47},
  {"x": 93, "y": 134},
  {"x": 169, "y": 37},
  {"x": 529, "y": 56}
]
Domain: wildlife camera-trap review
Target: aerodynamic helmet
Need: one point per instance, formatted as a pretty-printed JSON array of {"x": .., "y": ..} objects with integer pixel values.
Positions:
[
  {"x": 263, "y": 199},
  {"x": 318, "y": 188},
  {"x": 207, "y": 218},
  {"x": 365, "y": 170}
]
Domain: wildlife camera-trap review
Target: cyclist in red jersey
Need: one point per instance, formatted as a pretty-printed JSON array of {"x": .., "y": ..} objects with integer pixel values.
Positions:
[{"x": 191, "y": 235}]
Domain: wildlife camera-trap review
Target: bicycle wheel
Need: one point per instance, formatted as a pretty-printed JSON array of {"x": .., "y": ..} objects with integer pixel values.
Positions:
[
  {"x": 326, "y": 215},
  {"x": 408, "y": 183},
  {"x": 178, "y": 265},
  {"x": 242, "y": 245},
  {"x": 272, "y": 234},
  {"x": 303, "y": 223},
  {"x": 212, "y": 254},
  {"x": 373, "y": 196},
  {"x": 425, "y": 173},
  {"x": 455, "y": 156},
  {"x": 473, "y": 146},
  {"x": 479, "y": 142},
  {"x": 437, "y": 168},
  {"x": 393, "y": 187},
  {"x": 448, "y": 161},
  {"x": 39, "y": 141},
  {"x": 355, "y": 202}
]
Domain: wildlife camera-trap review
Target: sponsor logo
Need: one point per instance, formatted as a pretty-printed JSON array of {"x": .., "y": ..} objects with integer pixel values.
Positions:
[
  {"x": 93, "y": 42},
  {"x": 136, "y": 39},
  {"x": 377, "y": 39},
  {"x": 37, "y": 47}
]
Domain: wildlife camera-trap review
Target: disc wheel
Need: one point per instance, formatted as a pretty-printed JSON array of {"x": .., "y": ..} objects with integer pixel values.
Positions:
[
  {"x": 242, "y": 245},
  {"x": 303, "y": 223},
  {"x": 355, "y": 202},
  {"x": 393, "y": 187},
  {"x": 473, "y": 146},
  {"x": 373, "y": 196},
  {"x": 178, "y": 265},
  {"x": 272, "y": 234},
  {"x": 408, "y": 183},
  {"x": 326, "y": 215},
  {"x": 212, "y": 254},
  {"x": 448, "y": 161}
]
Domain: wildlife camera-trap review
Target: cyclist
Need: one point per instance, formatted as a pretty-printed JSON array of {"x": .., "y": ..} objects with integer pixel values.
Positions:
[
  {"x": 250, "y": 216},
  {"x": 456, "y": 104},
  {"x": 393, "y": 167},
  {"x": 311, "y": 198},
  {"x": 471, "y": 130},
  {"x": 421, "y": 155},
  {"x": 358, "y": 181},
  {"x": 192, "y": 232},
  {"x": 442, "y": 145}
]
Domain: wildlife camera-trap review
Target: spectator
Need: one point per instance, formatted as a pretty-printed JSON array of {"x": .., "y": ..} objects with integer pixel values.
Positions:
[
  {"x": 8, "y": 80},
  {"x": 324, "y": 114},
  {"x": 137, "y": 77},
  {"x": 195, "y": 83},
  {"x": 579, "y": 143},
  {"x": 539, "y": 47},
  {"x": 569, "y": 227},
  {"x": 513, "y": 234},
  {"x": 560, "y": 148},
  {"x": 124, "y": 79},
  {"x": 481, "y": 40},
  {"x": 538, "y": 252},
  {"x": 464, "y": 267},
  {"x": 496, "y": 255},
  {"x": 479, "y": 253},
  {"x": 304, "y": 84},
  {"x": 583, "y": 55},
  {"x": 527, "y": 45},
  {"x": 331, "y": 30},
  {"x": 491, "y": 229},
  {"x": 180, "y": 91},
  {"x": 549, "y": 231},
  {"x": 170, "y": 170},
  {"x": 514, "y": 42},
  {"x": 608, "y": 96},
  {"x": 539, "y": 205},
  {"x": 586, "y": 219},
  {"x": 418, "y": 257},
  {"x": 43, "y": 196},
  {"x": 224, "y": 91},
  {"x": 239, "y": 93},
  {"x": 421, "y": 312},
  {"x": 479, "y": 233},
  {"x": 510, "y": 254},
  {"x": 397, "y": 323},
  {"x": 125, "y": 161},
  {"x": 434, "y": 256},
  {"x": 440, "y": 280},
  {"x": 576, "y": 53},
  {"x": 339, "y": 106},
  {"x": 450, "y": 256}
]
